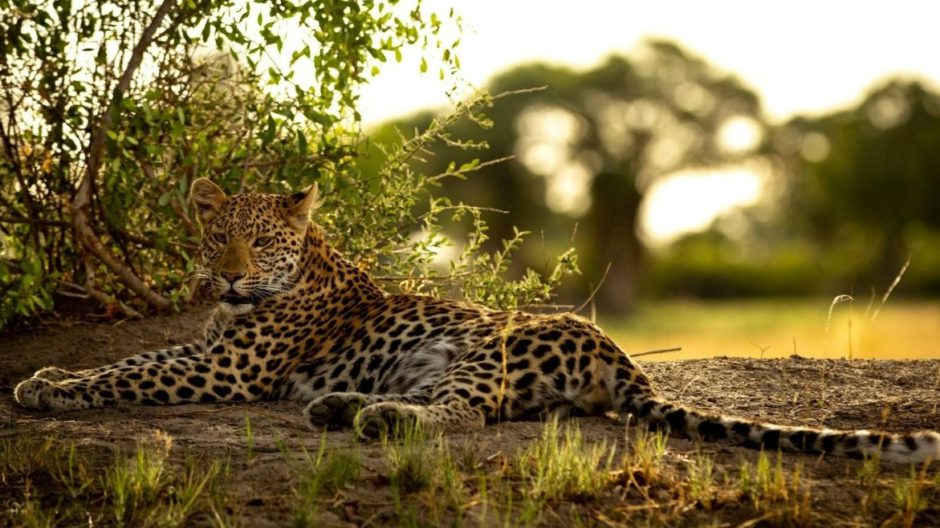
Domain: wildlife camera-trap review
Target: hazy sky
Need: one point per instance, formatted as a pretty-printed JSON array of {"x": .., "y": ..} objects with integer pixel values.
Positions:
[{"x": 801, "y": 56}]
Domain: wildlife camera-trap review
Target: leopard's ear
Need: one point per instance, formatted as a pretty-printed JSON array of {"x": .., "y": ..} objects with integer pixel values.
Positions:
[
  {"x": 300, "y": 205},
  {"x": 207, "y": 198}
]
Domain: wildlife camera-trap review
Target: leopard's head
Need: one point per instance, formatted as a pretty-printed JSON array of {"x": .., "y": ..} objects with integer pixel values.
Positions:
[{"x": 252, "y": 244}]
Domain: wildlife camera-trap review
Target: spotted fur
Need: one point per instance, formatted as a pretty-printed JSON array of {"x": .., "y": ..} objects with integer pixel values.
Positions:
[{"x": 298, "y": 321}]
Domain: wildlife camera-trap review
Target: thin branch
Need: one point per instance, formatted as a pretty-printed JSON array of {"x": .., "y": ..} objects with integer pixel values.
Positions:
[
  {"x": 658, "y": 351},
  {"x": 480, "y": 166},
  {"x": 594, "y": 292},
  {"x": 34, "y": 221},
  {"x": 187, "y": 221},
  {"x": 83, "y": 228},
  {"x": 396, "y": 278},
  {"x": 521, "y": 91}
]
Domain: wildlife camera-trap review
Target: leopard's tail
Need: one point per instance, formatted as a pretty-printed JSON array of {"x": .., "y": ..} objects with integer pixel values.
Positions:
[{"x": 685, "y": 421}]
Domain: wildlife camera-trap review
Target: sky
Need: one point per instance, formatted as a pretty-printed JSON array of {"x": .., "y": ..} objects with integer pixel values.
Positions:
[{"x": 802, "y": 57}]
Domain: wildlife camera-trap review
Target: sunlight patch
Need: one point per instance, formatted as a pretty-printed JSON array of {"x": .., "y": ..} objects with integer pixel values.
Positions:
[{"x": 689, "y": 201}]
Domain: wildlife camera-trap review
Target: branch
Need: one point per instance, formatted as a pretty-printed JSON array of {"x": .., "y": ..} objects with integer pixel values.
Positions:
[
  {"x": 91, "y": 242},
  {"x": 33, "y": 221},
  {"x": 96, "y": 146},
  {"x": 83, "y": 228},
  {"x": 659, "y": 351}
]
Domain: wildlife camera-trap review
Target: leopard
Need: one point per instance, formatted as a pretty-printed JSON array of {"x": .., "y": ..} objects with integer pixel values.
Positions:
[{"x": 296, "y": 320}]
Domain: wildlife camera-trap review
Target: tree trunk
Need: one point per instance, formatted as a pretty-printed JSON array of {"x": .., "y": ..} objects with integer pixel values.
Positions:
[
  {"x": 84, "y": 230},
  {"x": 611, "y": 238}
]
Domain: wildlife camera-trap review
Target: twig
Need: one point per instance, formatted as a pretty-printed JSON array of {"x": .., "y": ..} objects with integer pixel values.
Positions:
[
  {"x": 687, "y": 385},
  {"x": 894, "y": 284},
  {"x": 482, "y": 165},
  {"x": 838, "y": 299},
  {"x": 395, "y": 278},
  {"x": 521, "y": 91},
  {"x": 564, "y": 308},
  {"x": 33, "y": 221},
  {"x": 594, "y": 292},
  {"x": 657, "y": 351}
]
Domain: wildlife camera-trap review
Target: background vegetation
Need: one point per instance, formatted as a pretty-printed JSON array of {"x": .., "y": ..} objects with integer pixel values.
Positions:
[
  {"x": 109, "y": 110},
  {"x": 850, "y": 196}
]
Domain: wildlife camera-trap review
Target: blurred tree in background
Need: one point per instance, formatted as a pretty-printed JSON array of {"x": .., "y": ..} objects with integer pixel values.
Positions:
[
  {"x": 588, "y": 145},
  {"x": 869, "y": 178},
  {"x": 854, "y": 196},
  {"x": 849, "y": 196}
]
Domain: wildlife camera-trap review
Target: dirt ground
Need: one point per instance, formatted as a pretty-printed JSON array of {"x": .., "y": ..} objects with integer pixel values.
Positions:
[{"x": 890, "y": 395}]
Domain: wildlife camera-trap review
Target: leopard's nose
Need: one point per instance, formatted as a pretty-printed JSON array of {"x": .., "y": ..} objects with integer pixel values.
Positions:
[{"x": 231, "y": 277}]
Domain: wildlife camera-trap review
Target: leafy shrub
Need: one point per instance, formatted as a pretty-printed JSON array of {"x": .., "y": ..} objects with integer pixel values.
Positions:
[{"x": 109, "y": 109}]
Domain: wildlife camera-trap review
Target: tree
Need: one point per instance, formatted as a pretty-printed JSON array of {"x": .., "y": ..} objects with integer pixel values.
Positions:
[
  {"x": 588, "y": 145},
  {"x": 863, "y": 182}
]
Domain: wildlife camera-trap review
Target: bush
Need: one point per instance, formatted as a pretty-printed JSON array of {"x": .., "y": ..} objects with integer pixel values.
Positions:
[{"x": 110, "y": 109}]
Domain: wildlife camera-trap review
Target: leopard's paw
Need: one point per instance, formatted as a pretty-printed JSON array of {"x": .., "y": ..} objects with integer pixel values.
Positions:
[
  {"x": 334, "y": 410},
  {"x": 55, "y": 374},
  {"x": 381, "y": 419},
  {"x": 34, "y": 393}
]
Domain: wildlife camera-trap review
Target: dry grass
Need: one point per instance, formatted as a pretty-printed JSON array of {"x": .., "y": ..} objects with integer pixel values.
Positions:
[
  {"x": 559, "y": 478},
  {"x": 780, "y": 328},
  {"x": 53, "y": 482}
]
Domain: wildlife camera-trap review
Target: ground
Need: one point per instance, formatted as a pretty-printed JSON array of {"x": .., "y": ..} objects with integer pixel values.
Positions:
[{"x": 268, "y": 480}]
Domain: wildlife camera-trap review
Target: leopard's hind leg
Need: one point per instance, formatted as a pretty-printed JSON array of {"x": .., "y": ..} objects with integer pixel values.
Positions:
[
  {"x": 522, "y": 372},
  {"x": 339, "y": 409}
]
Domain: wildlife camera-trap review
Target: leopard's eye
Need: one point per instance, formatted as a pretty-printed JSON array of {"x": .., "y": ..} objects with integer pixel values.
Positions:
[
  {"x": 219, "y": 238},
  {"x": 263, "y": 241}
]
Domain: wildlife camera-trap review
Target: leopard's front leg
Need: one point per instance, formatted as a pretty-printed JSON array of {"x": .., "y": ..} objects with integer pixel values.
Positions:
[
  {"x": 201, "y": 378},
  {"x": 59, "y": 374},
  {"x": 210, "y": 336}
]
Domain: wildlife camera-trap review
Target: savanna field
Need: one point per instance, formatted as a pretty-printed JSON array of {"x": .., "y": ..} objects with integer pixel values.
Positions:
[{"x": 259, "y": 465}]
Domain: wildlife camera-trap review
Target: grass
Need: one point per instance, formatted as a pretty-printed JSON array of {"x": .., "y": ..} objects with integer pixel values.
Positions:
[
  {"x": 249, "y": 439},
  {"x": 318, "y": 476},
  {"x": 780, "y": 328},
  {"x": 560, "y": 465},
  {"x": 51, "y": 482},
  {"x": 909, "y": 498},
  {"x": 560, "y": 477},
  {"x": 702, "y": 480}
]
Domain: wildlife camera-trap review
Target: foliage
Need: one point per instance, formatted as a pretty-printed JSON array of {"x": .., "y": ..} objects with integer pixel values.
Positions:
[
  {"x": 586, "y": 147},
  {"x": 388, "y": 211},
  {"x": 852, "y": 204},
  {"x": 55, "y": 483},
  {"x": 109, "y": 109},
  {"x": 863, "y": 181}
]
